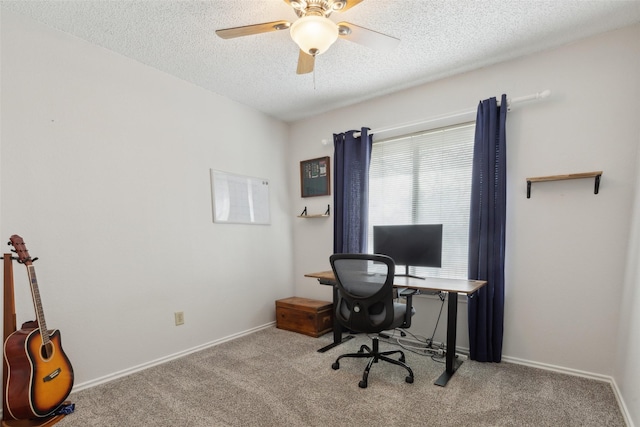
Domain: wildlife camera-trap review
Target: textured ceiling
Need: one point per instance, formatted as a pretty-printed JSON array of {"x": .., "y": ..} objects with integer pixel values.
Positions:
[{"x": 438, "y": 38}]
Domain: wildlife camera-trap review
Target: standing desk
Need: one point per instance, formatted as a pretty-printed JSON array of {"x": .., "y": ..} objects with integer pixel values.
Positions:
[{"x": 452, "y": 286}]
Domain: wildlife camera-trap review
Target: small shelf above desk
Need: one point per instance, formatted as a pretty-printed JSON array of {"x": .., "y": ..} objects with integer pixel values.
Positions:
[
  {"x": 596, "y": 175},
  {"x": 324, "y": 215}
]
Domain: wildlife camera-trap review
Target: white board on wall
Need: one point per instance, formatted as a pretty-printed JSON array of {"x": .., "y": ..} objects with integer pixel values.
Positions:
[{"x": 239, "y": 199}]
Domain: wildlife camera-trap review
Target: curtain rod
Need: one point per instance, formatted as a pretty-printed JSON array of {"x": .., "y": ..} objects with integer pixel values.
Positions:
[{"x": 469, "y": 112}]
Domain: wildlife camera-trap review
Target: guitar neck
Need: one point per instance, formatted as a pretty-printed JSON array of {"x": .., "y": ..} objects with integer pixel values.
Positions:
[
  {"x": 24, "y": 258},
  {"x": 37, "y": 303}
]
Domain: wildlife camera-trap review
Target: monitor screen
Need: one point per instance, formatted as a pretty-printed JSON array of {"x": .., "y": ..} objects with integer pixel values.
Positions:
[{"x": 416, "y": 245}]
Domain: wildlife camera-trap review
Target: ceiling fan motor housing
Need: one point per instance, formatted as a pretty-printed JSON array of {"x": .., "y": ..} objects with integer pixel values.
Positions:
[{"x": 317, "y": 7}]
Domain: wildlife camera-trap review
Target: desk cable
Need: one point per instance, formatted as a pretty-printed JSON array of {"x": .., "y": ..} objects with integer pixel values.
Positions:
[{"x": 437, "y": 353}]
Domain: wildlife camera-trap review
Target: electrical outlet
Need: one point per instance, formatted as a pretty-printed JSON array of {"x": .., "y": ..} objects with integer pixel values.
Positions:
[{"x": 179, "y": 315}]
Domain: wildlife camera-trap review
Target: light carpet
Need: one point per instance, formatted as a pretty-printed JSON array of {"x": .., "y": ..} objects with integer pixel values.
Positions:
[{"x": 275, "y": 378}]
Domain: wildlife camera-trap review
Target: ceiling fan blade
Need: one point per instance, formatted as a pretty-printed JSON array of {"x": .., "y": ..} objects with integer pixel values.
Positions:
[
  {"x": 248, "y": 30},
  {"x": 369, "y": 38},
  {"x": 305, "y": 63}
]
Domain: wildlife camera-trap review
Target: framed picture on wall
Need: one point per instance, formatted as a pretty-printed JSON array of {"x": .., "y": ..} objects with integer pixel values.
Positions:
[{"x": 315, "y": 177}]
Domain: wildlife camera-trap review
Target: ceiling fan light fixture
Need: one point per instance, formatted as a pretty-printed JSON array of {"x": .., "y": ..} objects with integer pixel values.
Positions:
[{"x": 314, "y": 34}]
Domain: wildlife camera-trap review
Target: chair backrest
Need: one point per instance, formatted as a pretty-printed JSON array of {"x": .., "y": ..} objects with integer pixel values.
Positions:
[{"x": 365, "y": 291}]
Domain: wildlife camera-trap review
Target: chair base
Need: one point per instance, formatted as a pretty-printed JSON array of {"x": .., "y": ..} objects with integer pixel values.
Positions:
[{"x": 374, "y": 354}]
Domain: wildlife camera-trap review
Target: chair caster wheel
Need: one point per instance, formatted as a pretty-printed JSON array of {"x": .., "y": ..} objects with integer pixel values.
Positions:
[
  {"x": 335, "y": 366},
  {"x": 409, "y": 380},
  {"x": 362, "y": 384}
]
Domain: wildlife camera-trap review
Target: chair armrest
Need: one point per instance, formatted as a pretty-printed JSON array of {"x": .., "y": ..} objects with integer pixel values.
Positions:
[{"x": 407, "y": 294}]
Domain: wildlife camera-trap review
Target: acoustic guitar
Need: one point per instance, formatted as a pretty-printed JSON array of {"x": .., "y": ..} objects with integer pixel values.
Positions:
[{"x": 40, "y": 376}]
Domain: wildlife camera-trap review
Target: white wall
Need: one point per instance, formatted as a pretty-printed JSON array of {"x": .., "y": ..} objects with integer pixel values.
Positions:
[
  {"x": 627, "y": 371},
  {"x": 566, "y": 247},
  {"x": 105, "y": 174}
]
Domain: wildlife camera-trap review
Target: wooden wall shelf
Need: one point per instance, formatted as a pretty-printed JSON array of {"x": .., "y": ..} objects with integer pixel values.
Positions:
[
  {"x": 596, "y": 175},
  {"x": 305, "y": 215}
]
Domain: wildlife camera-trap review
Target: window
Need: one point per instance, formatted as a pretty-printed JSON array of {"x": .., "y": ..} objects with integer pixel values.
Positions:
[{"x": 425, "y": 178}]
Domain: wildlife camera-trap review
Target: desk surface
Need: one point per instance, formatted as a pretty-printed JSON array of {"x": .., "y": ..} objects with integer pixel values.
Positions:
[{"x": 460, "y": 286}]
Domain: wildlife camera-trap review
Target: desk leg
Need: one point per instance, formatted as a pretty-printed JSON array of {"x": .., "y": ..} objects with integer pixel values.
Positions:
[
  {"x": 337, "y": 328},
  {"x": 452, "y": 323}
]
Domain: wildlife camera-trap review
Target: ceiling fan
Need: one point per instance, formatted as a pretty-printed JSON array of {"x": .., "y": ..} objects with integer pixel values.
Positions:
[{"x": 314, "y": 32}]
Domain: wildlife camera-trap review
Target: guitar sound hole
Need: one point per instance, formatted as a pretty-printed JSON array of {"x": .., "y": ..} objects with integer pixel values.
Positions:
[{"x": 46, "y": 351}]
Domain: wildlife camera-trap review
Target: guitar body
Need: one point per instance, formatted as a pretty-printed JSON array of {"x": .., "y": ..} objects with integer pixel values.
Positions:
[{"x": 36, "y": 384}]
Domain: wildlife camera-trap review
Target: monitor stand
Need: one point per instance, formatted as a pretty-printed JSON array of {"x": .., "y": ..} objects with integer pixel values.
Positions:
[{"x": 406, "y": 274}]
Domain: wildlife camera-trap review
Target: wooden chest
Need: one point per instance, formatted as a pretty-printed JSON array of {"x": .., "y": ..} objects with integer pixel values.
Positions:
[{"x": 306, "y": 316}]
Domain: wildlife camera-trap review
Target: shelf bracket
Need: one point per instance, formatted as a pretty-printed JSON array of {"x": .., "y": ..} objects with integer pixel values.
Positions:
[
  {"x": 304, "y": 212},
  {"x": 328, "y": 209}
]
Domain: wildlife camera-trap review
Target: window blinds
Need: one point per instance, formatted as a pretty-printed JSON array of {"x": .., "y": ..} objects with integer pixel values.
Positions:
[{"x": 425, "y": 178}]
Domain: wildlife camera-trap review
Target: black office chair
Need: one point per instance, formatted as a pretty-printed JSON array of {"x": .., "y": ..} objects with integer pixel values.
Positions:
[{"x": 366, "y": 304}]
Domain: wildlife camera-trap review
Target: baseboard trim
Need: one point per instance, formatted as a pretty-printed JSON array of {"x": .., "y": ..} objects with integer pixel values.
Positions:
[
  {"x": 143, "y": 366},
  {"x": 576, "y": 372},
  {"x": 623, "y": 406},
  {"x": 559, "y": 369}
]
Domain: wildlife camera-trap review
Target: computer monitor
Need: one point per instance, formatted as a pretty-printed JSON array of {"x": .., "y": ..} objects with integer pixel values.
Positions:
[{"x": 413, "y": 245}]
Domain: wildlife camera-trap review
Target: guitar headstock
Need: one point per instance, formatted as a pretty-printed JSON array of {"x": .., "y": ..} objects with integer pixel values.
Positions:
[{"x": 20, "y": 249}]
